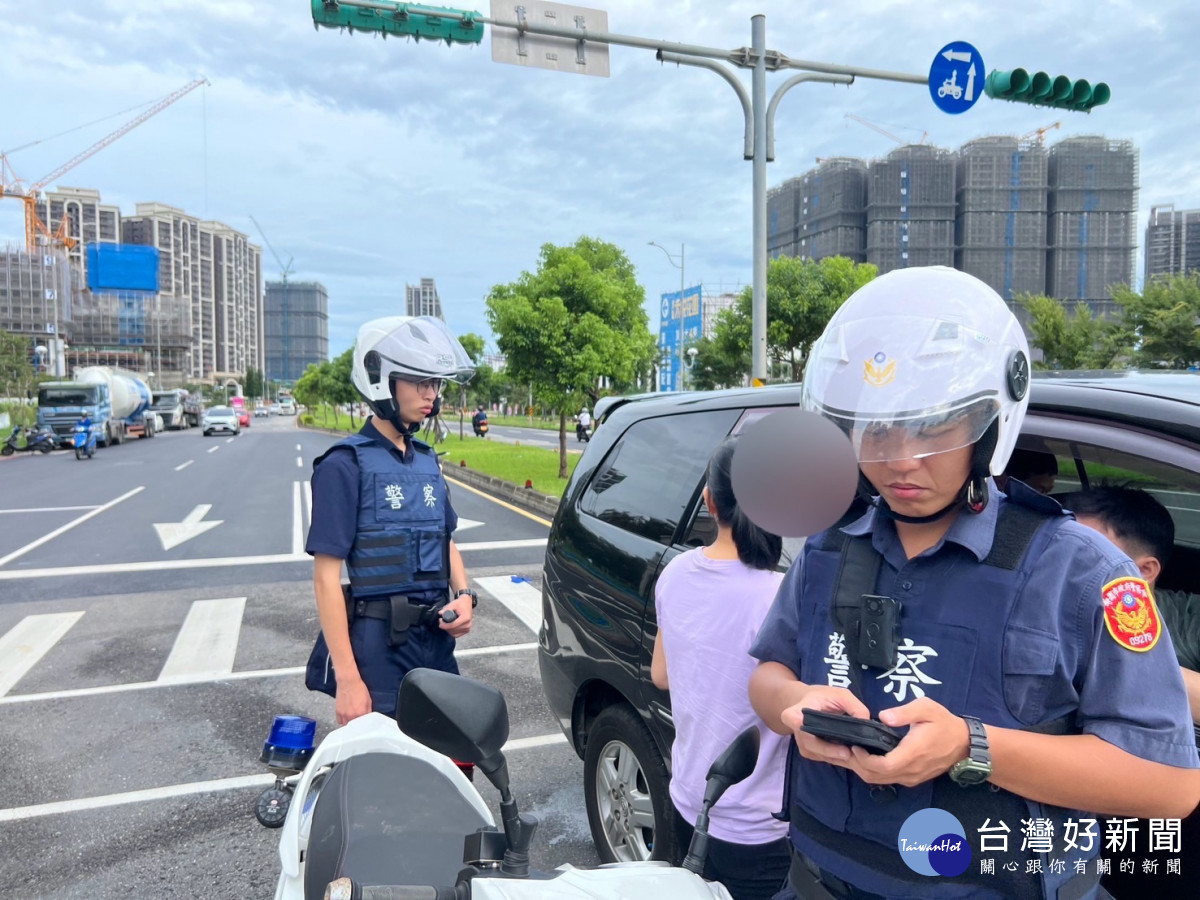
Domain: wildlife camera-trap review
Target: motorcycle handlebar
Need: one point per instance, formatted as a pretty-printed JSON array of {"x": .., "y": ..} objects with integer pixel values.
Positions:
[{"x": 348, "y": 889}]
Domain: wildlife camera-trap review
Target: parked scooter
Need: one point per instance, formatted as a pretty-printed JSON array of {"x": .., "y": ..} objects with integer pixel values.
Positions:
[
  {"x": 379, "y": 812},
  {"x": 38, "y": 440},
  {"x": 84, "y": 437}
]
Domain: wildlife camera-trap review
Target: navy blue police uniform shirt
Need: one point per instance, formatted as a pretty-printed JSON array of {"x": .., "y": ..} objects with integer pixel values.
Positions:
[
  {"x": 1135, "y": 700},
  {"x": 335, "y": 499}
]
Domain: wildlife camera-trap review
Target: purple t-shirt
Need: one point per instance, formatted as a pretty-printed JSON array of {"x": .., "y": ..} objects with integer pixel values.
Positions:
[{"x": 709, "y": 612}]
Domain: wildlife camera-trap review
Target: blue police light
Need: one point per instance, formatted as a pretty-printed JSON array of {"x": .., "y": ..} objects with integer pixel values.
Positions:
[{"x": 289, "y": 744}]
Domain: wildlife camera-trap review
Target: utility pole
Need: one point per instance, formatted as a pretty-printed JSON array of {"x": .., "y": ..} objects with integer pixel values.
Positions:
[{"x": 464, "y": 26}]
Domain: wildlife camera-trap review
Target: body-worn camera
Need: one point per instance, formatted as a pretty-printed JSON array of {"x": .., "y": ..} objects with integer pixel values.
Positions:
[{"x": 879, "y": 631}]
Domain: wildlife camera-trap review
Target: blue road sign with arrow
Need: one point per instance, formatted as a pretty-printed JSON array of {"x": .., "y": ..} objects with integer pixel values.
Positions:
[{"x": 956, "y": 77}]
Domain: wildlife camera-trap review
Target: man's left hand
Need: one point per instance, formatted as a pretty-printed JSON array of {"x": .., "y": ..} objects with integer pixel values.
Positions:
[{"x": 936, "y": 740}]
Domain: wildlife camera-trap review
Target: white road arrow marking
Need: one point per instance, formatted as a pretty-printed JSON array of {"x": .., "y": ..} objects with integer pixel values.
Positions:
[
  {"x": 971, "y": 83},
  {"x": 957, "y": 56},
  {"x": 464, "y": 524},
  {"x": 172, "y": 534}
]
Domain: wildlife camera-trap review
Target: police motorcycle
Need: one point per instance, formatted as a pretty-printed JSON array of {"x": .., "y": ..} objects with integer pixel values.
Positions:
[
  {"x": 381, "y": 812},
  {"x": 39, "y": 440},
  {"x": 84, "y": 441}
]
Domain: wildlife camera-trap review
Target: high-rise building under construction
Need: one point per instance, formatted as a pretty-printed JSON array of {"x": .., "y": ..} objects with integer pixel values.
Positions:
[
  {"x": 1019, "y": 217},
  {"x": 296, "y": 328},
  {"x": 1172, "y": 241}
]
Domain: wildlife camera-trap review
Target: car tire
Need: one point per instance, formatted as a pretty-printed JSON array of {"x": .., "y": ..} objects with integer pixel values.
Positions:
[{"x": 626, "y": 790}]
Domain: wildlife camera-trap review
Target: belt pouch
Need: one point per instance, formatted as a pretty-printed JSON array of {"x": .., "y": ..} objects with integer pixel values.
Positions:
[{"x": 403, "y": 616}]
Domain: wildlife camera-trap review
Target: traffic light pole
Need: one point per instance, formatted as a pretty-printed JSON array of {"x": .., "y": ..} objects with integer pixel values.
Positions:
[{"x": 758, "y": 143}]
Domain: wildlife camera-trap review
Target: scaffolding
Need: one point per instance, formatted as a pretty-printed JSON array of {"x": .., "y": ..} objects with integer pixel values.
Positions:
[
  {"x": 1172, "y": 241},
  {"x": 1092, "y": 226},
  {"x": 821, "y": 213},
  {"x": 1000, "y": 231},
  {"x": 295, "y": 327},
  {"x": 911, "y": 208}
]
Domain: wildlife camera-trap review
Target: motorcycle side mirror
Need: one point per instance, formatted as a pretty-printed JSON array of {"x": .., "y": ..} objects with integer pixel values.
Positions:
[
  {"x": 456, "y": 716},
  {"x": 735, "y": 764}
]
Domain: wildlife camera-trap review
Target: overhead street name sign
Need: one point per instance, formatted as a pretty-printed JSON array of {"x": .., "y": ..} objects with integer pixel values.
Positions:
[
  {"x": 956, "y": 77},
  {"x": 540, "y": 51}
]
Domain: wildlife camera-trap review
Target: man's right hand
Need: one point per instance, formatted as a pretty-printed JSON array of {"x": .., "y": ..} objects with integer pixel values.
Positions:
[
  {"x": 352, "y": 700},
  {"x": 823, "y": 699}
]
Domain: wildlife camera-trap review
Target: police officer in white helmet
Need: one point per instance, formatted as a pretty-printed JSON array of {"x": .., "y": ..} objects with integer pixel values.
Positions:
[
  {"x": 1018, "y": 654},
  {"x": 381, "y": 507}
]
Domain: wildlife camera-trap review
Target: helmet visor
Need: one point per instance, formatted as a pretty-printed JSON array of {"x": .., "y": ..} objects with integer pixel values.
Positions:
[{"x": 896, "y": 436}]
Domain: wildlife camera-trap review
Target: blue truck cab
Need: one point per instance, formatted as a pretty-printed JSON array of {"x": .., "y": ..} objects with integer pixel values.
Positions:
[{"x": 61, "y": 403}]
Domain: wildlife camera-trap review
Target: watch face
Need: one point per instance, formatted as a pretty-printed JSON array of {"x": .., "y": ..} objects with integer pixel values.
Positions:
[{"x": 968, "y": 771}]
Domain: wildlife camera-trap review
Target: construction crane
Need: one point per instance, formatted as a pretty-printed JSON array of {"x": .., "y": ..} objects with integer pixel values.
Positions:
[
  {"x": 1039, "y": 133},
  {"x": 12, "y": 186},
  {"x": 886, "y": 134},
  {"x": 285, "y": 324}
]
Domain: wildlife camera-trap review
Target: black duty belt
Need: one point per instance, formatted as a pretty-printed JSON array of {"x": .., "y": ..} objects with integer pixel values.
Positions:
[
  {"x": 400, "y": 612},
  {"x": 811, "y": 882}
]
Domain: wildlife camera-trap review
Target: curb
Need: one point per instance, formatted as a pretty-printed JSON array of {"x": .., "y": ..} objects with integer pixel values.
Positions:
[{"x": 525, "y": 498}]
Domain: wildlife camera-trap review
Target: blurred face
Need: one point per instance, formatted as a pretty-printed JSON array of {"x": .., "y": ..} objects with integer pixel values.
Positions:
[
  {"x": 913, "y": 481},
  {"x": 415, "y": 398}
]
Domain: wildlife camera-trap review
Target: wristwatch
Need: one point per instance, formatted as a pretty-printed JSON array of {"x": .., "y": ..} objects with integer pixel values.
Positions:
[
  {"x": 977, "y": 766},
  {"x": 474, "y": 596}
]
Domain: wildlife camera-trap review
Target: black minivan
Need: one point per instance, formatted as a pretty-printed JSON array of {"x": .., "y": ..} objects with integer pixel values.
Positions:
[{"x": 633, "y": 504}]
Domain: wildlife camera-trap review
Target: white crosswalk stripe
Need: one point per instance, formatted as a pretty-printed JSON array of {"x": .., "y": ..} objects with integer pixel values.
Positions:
[
  {"x": 207, "y": 643},
  {"x": 28, "y": 642},
  {"x": 520, "y": 597}
]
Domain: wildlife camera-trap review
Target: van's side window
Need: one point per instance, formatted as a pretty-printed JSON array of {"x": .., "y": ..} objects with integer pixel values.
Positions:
[{"x": 651, "y": 473}]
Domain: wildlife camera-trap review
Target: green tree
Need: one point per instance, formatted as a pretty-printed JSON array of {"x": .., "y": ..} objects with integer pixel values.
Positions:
[
  {"x": 1069, "y": 335},
  {"x": 577, "y": 319},
  {"x": 1162, "y": 323},
  {"x": 308, "y": 388},
  {"x": 16, "y": 372},
  {"x": 802, "y": 296},
  {"x": 254, "y": 386}
]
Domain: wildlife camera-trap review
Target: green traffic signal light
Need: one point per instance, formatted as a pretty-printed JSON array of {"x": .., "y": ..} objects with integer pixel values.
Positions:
[
  {"x": 454, "y": 26},
  {"x": 1041, "y": 89}
]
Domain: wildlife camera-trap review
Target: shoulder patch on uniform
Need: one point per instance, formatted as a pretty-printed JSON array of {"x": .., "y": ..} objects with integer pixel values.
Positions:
[{"x": 1130, "y": 614}]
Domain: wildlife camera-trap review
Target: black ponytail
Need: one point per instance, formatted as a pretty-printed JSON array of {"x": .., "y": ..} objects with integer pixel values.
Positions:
[{"x": 757, "y": 548}]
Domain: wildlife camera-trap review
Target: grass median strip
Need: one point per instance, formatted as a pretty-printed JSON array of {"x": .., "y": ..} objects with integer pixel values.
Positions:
[{"x": 511, "y": 462}]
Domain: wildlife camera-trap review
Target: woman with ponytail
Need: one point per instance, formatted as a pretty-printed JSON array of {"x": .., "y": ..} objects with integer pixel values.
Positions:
[{"x": 710, "y": 603}]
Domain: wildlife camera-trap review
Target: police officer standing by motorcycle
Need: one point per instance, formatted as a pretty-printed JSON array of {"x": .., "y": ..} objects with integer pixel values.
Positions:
[
  {"x": 381, "y": 507},
  {"x": 1022, "y": 653}
]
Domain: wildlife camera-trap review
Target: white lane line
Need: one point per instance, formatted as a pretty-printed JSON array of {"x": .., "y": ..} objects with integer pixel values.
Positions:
[
  {"x": 159, "y": 565},
  {"x": 229, "y": 440},
  {"x": 64, "y": 528},
  {"x": 170, "y": 791},
  {"x": 214, "y": 449},
  {"x": 299, "y": 462},
  {"x": 246, "y": 675},
  {"x": 308, "y": 502},
  {"x": 45, "y": 509},
  {"x": 180, "y": 468},
  {"x": 28, "y": 641},
  {"x": 167, "y": 791},
  {"x": 297, "y": 448},
  {"x": 501, "y": 545},
  {"x": 297, "y": 519},
  {"x": 207, "y": 643},
  {"x": 521, "y": 598}
]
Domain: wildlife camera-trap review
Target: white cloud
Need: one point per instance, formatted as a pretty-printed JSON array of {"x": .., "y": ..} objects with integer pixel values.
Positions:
[{"x": 373, "y": 163}]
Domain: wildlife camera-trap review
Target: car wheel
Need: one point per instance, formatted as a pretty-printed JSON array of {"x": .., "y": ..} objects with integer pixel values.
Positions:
[{"x": 626, "y": 790}]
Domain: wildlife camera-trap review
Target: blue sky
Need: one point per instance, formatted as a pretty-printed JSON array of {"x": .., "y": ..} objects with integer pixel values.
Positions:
[{"x": 374, "y": 163}]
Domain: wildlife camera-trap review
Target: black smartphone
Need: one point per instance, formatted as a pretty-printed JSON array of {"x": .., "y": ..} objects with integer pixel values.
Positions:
[{"x": 843, "y": 728}]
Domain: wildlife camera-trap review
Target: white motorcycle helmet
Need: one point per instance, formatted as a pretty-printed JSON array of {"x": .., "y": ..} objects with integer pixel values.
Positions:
[
  {"x": 912, "y": 356},
  {"x": 412, "y": 348}
]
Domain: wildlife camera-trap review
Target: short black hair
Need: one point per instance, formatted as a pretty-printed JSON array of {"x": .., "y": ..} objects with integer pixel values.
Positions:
[
  {"x": 1132, "y": 514},
  {"x": 1024, "y": 463}
]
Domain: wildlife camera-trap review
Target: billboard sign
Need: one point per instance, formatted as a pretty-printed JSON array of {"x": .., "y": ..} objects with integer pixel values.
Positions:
[
  {"x": 679, "y": 327},
  {"x": 122, "y": 267}
]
